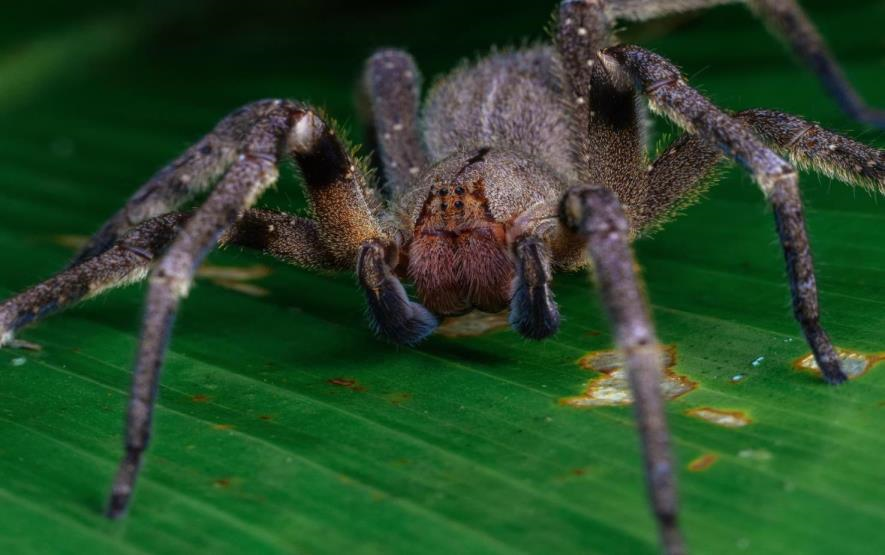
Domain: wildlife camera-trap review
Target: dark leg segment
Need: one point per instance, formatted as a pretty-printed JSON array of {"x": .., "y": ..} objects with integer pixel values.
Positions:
[
  {"x": 790, "y": 22},
  {"x": 608, "y": 140},
  {"x": 668, "y": 93},
  {"x": 291, "y": 239},
  {"x": 393, "y": 86},
  {"x": 533, "y": 310},
  {"x": 391, "y": 314},
  {"x": 595, "y": 215},
  {"x": 254, "y": 170},
  {"x": 811, "y": 146},
  {"x": 787, "y": 20},
  {"x": 127, "y": 261},
  {"x": 330, "y": 176},
  {"x": 192, "y": 173},
  {"x": 681, "y": 173}
]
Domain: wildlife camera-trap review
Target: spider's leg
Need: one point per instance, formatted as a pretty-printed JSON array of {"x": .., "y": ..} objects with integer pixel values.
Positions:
[
  {"x": 788, "y": 21},
  {"x": 594, "y": 214},
  {"x": 286, "y": 237},
  {"x": 609, "y": 146},
  {"x": 811, "y": 146},
  {"x": 127, "y": 261},
  {"x": 668, "y": 93},
  {"x": 392, "y": 84},
  {"x": 791, "y": 23},
  {"x": 533, "y": 310},
  {"x": 392, "y": 315},
  {"x": 609, "y": 151},
  {"x": 254, "y": 170},
  {"x": 194, "y": 172},
  {"x": 680, "y": 174}
]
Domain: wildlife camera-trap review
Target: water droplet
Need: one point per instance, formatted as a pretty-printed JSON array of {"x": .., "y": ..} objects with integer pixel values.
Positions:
[
  {"x": 738, "y": 377},
  {"x": 758, "y": 361},
  {"x": 755, "y": 454},
  {"x": 19, "y": 361}
]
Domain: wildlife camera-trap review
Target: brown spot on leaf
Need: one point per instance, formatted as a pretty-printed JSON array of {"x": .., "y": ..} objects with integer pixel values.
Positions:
[
  {"x": 223, "y": 427},
  {"x": 222, "y": 483},
  {"x": 703, "y": 462},
  {"x": 613, "y": 387},
  {"x": 854, "y": 364},
  {"x": 398, "y": 397},
  {"x": 265, "y": 417},
  {"x": 200, "y": 398},
  {"x": 724, "y": 418},
  {"x": 349, "y": 383},
  {"x": 473, "y": 324}
]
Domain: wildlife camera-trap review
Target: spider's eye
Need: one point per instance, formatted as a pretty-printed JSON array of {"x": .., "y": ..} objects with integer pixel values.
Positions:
[
  {"x": 459, "y": 204},
  {"x": 443, "y": 205},
  {"x": 459, "y": 190},
  {"x": 443, "y": 192}
]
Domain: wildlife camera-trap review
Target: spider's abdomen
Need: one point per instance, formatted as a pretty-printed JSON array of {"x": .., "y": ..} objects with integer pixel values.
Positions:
[
  {"x": 458, "y": 257},
  {"x": 511, "y": 100}
]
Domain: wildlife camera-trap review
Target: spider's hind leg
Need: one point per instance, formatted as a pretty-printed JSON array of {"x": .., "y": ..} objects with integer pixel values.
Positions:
[{"x": 682, "y": 172}]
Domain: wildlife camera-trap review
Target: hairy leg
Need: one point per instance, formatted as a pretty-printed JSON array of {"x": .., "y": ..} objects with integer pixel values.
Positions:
[
  {"x": 609, "y": 146},
  {"x": 789, "y": 22},
  {"x": 610, "y": 154},
  {"x": 392, "y": 84},
  {"x": 194, "y": 172},
  {"x": 533, "y": 310},
  {"x": 668, "y": 93},
  {"x": 391, "y": 314},
  {"x": 343, "y": 221},
  {"x": 680, "y": 174},
  {"x": 289, "y": 238},
  {"x": 594, "y": 214}
]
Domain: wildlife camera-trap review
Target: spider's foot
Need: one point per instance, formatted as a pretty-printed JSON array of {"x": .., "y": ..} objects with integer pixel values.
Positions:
[
  {"x": 834, "y": 375},
  {"x": 533, "y": 312},
  {"x": 408, "y": 326},
  {"x": 124, "y": 482},
  {"x": 831, "y": 368}
]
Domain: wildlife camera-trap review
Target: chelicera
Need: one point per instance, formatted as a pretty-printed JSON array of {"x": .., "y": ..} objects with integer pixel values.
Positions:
[{"x": 522, "y": 164}]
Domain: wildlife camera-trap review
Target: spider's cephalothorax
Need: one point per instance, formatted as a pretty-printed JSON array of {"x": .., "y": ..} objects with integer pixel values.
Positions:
[
  {"x": 522, "y": 164},
  {"x": 459, "y": 255}
]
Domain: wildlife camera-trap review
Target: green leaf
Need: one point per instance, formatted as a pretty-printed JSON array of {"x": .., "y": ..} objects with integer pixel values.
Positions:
[{"x": 284, "y": 426}]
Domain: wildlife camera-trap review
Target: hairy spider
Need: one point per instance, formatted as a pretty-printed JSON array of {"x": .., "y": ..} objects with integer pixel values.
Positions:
[{"x": 520, "y": 164}]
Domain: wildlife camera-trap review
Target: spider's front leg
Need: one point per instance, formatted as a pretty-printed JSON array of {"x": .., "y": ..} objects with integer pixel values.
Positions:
[
  {"x": 610, "y": 165},
  {"x": 668, "y": 93},
  {"x": 344, "y": 221},
  {"x": 594, "y": 214}
]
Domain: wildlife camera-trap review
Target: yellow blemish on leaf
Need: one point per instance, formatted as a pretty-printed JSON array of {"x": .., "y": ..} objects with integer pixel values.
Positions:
[
  {"x": 71, "y": 241},
  {"x": 854, "y": 364},
  {"x": 613, "y": 387},
  {"x": 473, "y": 324},
  {"x": 724, "y": 418}
]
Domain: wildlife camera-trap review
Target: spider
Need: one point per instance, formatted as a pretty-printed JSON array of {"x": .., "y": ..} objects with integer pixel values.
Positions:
[{"x": 523, "y": 163}]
